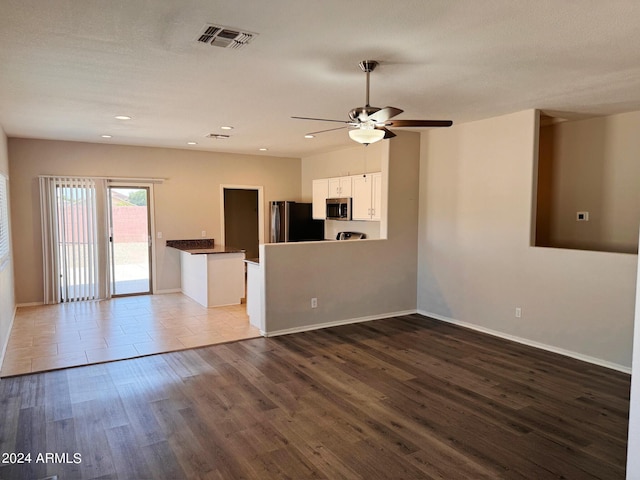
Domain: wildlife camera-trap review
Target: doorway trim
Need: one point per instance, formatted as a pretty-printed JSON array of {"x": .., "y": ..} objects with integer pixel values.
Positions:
[{"x": 260, "y": 190}]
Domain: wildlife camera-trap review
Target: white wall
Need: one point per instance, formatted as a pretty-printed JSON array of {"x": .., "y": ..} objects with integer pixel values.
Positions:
[
  {"x": 351, "y": 280},
  {"x": 7, "y": 300},
  {"x": 633, "y": 445},
  {"x": 476, "y": 264}
]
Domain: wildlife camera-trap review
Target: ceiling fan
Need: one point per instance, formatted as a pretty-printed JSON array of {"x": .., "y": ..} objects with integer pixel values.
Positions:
[{"x": 371, "y": 124}]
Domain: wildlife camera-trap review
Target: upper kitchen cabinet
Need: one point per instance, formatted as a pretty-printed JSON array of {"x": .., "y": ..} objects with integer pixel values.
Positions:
[
  {"x": 339, "y": 187},
  {"x": 320, "y": 192},
  {"x": 367, "y": 196},
  {"x": 365, "y": 191}
]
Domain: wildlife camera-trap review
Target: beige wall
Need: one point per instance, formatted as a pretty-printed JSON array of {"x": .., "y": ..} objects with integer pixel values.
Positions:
[
  {"x": 185, "y": 204},
  {"x": 468, "y": 245},
  {"x": 476, "y": 264},
  {"x": 590, "y": 165},
  {"x": 351, "y": 280},
  {"x": 7, "y": 300}
]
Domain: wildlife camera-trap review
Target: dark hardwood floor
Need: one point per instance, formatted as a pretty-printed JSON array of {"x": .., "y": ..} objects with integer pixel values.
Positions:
[{"x": 407, "y": 397}]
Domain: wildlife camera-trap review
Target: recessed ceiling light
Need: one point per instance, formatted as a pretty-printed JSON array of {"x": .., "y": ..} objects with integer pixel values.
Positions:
[
  {"x": 263, "y": 149},
  {"x": 309, "y": 136},
  {"x": 122, "y": 117},
  {"x": 106, "y": 136},
  {"x": 226, "y": 127},
  {"x": 192, "y": 143}
]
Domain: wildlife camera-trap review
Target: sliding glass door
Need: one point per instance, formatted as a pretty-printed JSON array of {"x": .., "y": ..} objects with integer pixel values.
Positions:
[{"x": 130, "y": 240}]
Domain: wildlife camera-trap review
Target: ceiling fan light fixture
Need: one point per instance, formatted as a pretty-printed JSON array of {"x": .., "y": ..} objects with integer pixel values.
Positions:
[{"x": 366, "y": 135}]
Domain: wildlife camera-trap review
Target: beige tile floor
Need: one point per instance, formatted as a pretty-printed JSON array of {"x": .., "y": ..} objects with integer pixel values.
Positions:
[{"x": 66, "y": 335}]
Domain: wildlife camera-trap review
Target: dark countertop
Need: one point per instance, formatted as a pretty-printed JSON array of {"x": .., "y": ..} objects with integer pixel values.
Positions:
[
  {"x": 201, "y": 246},
  {"x": 191, "y": 244},
  {"x": 207, "y": 251},
  {"x": 252, "y": 260}
]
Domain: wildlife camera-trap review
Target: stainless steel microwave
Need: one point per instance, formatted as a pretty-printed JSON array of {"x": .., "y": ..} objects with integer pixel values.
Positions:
[{"x": 339, "y": 208}]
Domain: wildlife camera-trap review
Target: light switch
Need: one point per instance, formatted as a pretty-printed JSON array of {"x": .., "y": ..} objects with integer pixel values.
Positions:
[
  {"x": 582, "y": 216},
  {"x": 159, "y": 234}
]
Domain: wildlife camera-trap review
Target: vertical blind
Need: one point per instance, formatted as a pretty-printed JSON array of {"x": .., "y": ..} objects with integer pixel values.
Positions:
[
  {"x": 4, "y": 221},
  {"x": 70, "y": 239}
]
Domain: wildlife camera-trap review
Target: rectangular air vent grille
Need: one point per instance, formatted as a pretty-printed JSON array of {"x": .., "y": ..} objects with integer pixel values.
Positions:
[{"x": 224, "y": 37}]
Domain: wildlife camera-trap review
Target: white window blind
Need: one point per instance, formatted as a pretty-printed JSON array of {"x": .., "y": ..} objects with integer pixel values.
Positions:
[
  {"x": 4, "y": 222},
  {"x": 70, "y": 239}
]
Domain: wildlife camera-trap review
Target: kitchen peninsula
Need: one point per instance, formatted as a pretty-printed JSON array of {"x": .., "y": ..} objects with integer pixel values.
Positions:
[{"x": 212, "y": 275}]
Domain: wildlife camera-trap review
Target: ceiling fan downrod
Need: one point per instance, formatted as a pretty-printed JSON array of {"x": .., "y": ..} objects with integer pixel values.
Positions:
[
  {"x": 367, "y": 67},
  {"x": 361, "y": 114}
]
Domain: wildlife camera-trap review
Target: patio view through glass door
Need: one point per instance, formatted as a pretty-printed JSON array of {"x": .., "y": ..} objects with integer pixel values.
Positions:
[{"x": 130, "y": 240}]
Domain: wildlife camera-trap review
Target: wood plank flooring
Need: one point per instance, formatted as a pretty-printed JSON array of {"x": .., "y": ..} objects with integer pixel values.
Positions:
[{"x": 405, "y": 397}]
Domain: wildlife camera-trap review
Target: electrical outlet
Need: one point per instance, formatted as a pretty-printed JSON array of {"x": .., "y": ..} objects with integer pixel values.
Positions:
[
  {"x": 518, "y": 312},
  {"x": 314, "y": 302},
  {"x": 159, "y": 234},
  {"x": 204, "y": 233}
]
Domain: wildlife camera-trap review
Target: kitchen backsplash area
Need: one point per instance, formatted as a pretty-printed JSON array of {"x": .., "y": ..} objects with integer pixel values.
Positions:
[{"x": 332, "y": 227}]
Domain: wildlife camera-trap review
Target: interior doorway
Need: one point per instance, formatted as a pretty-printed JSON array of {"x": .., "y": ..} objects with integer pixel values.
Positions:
[
  {"x": 242, "y": 218},
  {"x": 129, "y": 240}
]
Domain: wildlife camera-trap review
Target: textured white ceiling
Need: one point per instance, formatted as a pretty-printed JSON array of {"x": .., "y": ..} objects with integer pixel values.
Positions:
[{"x": 68, "y": 66}]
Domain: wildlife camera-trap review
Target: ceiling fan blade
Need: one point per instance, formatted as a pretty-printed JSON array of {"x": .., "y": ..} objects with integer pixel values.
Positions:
[
  {"x": 418, "y": 123},
  {"x": 385, "y": 114},
  {"x": 387, "y": 133},
  {"x": 327, "y": 130},
  {"x": 321, "y": 119}
]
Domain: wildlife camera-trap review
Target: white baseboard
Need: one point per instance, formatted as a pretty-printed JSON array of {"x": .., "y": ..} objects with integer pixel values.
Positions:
[
  {"x": 167, "y": 290},
  {"x": 30, "y": 304},
  {"x": 336, "y": 323},
  {"x": 531, "y": 343}
]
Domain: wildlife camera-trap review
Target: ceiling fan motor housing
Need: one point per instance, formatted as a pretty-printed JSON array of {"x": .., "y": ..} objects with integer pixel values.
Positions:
[
  {"x": 362, "y": 114},
  {"x": 368, "y": 65}
]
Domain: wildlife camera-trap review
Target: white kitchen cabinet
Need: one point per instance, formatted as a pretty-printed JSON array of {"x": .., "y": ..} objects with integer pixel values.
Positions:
[
  {"x": 339, "y": 187},
  {"x": 376, "y": 196},
  {"x": 320, "y": 189},
  {"x": 367, "y": 197}
]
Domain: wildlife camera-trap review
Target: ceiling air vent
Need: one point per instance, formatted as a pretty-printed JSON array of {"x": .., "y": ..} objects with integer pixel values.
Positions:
[
  {"x": 225, "y": 37},
  {"x": 217, "y": 136}
]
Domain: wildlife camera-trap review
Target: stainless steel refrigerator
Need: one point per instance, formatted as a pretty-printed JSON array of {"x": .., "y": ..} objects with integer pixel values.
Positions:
[{"x": 292, "y": 222}]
